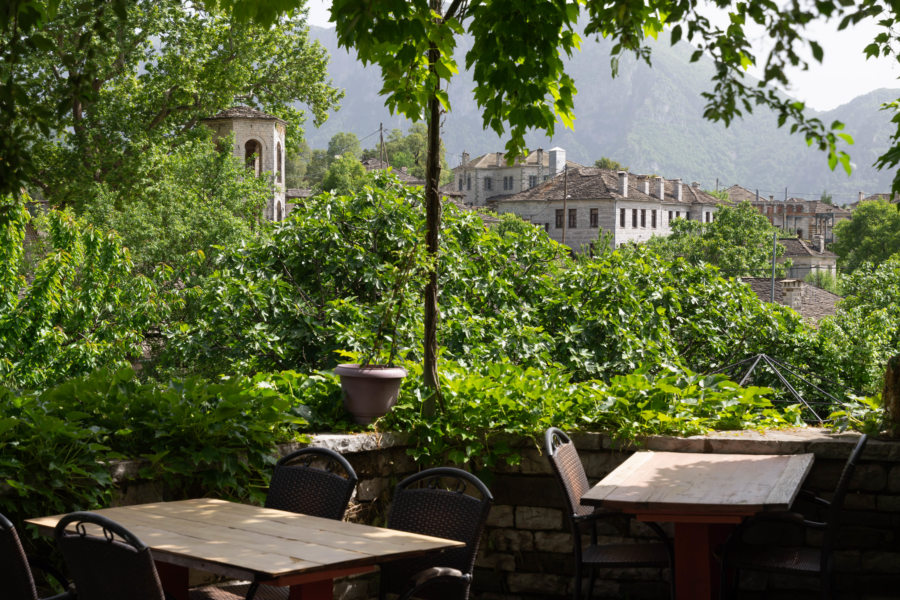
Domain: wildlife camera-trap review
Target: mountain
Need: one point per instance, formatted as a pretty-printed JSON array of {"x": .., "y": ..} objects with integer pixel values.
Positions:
[{"x": 650, "y": 119}]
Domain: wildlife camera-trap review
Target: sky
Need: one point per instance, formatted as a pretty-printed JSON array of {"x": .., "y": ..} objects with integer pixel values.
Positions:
[{"x": 844, "y": 74}]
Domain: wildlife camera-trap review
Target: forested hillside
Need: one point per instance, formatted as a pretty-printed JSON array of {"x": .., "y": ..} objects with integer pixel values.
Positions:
[{"x": 648, "y": 119}]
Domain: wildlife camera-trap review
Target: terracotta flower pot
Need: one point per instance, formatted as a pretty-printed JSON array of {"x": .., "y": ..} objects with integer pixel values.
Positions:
[{"x": 369, "y": 391}]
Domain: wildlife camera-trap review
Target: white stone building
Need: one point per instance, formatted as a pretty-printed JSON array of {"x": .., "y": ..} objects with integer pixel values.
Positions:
[
  {"x": 488, "y": 175},
  {"x": 259, "y": 141},
  {"x": 629, "y": 208}
]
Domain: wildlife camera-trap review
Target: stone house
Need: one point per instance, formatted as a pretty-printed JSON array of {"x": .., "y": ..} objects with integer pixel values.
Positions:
[
  {"x": 805, "y": 218},
  {"x": 259, "y": 141},
  {"x": 488, "y": 175},
  {"x": 628, "y": 208},
  {"x": 807, "y": 257}
]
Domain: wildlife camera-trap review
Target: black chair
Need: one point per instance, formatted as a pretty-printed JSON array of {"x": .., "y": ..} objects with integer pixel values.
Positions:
[
  {"x": 312, "y": 481},
  {"x": 437, "y": 502},
  {"x": 16, "y": 568},
  {"x": 115, "y": 564},
  {"x": 738, "y": 554},
  {"x": 299, "y": 486},
  {"x": 570, "y": 473}
]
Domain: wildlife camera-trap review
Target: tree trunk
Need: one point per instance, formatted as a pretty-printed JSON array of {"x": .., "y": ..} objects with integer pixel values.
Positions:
[
  {"x": 890, "y": 396},
  {"x": 433, "y": 227}
]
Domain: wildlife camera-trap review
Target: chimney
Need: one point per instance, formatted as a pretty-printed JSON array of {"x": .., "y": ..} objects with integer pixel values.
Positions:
[
  {"x": 499, "y": 158},
  {"x": 771, "y": 198},
  {"x": 660, "y": 188},
  {"x": 678, "y": 190},
  {"x": 623, "y": 184},
  {"x": 695, "y": 185},
  {"x": 861, "y": 197},
  {"x": 792, "y": 293},
  {"x": 465, "y": 158},
  {"x": 557, "y": 161},
  {"x": 645, "y": 186},
  {"x": 820, "y": 243}
]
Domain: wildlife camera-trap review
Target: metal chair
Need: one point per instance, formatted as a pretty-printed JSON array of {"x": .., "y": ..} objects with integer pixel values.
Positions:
[
  {"x": 737, "y": 554},
  {"x": 307, "y": 481},
  {"x": 570, "y": 473},
  {"x": 437, "y": 502},
  {"x": 299, "y": 486},
  {"x": 115, "y": 564},
  {"x": 16, "y": 568}
]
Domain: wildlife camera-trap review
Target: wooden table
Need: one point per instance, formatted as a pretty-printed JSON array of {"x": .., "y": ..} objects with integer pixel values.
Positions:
[
  {"x": 262, "y": 544},
  {"x": 704, "y": 495}
]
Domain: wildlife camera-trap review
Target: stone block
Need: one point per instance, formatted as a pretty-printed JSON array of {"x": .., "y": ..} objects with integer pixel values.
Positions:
[
  {"x": 665, "y": 443},
  {"x": 856, "y": 502},
  {"x": 537, "y": 583},
  {"x": 531, "y": 491},
  {"x": 880, "y": 562},
  {"x": 893, "y": 480},
  {"x": 535, "y": 517},
  {"x": 888, "y": 503},
  {"x": 501, "y": 516},
  {"x": 497, "y": 561},
  {"x": 547, "y": 541},
  {"x": 535, "y": 462},
  {"x": 869, "y": 478},
  {"x": 369, "y": 490},
  {"x": 588, "y": 441},
  {"x": 510, "y": 540}
]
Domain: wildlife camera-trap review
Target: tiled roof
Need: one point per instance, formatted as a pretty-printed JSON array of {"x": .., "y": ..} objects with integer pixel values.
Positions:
[
  {"x": 244, "y": 112},
  {"x": 816, "y": 303},
  {"x": 737, "y": 193},
  {"x": 794, "y": 247},
  {"x": 490, "y": 160},
  {"x": 297, "y": 193},
  {"x": 374, "y": 164},
  {"x": 592, "y": 183}
]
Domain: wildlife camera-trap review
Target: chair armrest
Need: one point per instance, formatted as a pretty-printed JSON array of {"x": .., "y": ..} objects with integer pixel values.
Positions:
[
  {"x": 810, "y": 497},
  {"x": 434, "y": 576}
]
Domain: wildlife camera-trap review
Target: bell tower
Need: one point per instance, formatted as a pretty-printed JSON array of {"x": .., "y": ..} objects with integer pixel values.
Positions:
[{"x": 259, "y": 142}]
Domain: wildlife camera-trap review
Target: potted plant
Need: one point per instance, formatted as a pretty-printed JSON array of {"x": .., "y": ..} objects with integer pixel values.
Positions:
[{"x": 370, "y": 388}]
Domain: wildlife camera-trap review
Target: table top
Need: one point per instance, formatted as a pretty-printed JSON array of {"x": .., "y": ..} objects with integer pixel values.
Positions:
[
  {"x": 251, "y": 542},
  {"x": 682, "y": 486}
]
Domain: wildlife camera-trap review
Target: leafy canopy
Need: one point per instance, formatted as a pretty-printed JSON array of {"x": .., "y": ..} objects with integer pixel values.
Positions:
[
  {"x": 739, "y": 241},
  {"x": 871, "y": 236}
]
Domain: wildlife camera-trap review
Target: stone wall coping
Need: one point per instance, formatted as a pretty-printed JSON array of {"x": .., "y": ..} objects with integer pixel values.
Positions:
[{"x": 821, "y": 442}]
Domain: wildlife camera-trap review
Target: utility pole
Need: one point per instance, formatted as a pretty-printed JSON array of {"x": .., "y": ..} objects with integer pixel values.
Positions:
[
  {"x": 717, "y": 185},
  {"x": 774, "y": 247},
  {"x": 565, "y": 201},
  {"x": 381, "y": 144}
]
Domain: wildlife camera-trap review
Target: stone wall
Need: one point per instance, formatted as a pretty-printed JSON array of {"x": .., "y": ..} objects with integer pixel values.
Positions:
[{"x": 526, "y": 552}]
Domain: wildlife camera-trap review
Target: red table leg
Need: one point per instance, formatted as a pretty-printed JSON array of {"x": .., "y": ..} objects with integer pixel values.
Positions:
[
  {"x": 696, "y": 569},
  {"x": 174, "y": 579},
  {"x": 314, "y": 590}
]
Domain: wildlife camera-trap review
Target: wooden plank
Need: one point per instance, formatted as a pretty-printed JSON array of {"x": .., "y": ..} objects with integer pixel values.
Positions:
[
  {"x": 787, "y": 487},
  {"x": 620, "y": 476}
]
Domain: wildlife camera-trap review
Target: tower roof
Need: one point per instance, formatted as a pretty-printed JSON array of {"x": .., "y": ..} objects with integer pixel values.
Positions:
[{"x": 244, "y": 112}]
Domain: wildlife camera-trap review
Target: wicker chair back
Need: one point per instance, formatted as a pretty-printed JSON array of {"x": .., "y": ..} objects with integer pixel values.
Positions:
[
  {"x": 113, "y": 565},
  {"x": 569, "y": 470},
  {"x": 14, "y": 569},
  {"x": 437, "y": 502},
  {"x": 309, "y": 481}
]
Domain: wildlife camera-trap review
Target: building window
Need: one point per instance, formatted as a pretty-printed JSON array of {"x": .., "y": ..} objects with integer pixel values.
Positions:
[
  {"x": 595, "y": 217},
  {"x": 677, "y": 214},
  {"x": 707, "y": 217},
  {"x": 559, "y": 218},
  {"x": 460, "y": 184},
  {"x": 468, "y": 182},
  {"x": 508, "y": 183},
  {"x": 653, "y": 219},
  {"x": 253, "y": 156},
  {"x": 532, "y": 181},
  {"x": 547, "y": 227},
  {"x": 799, "y": 233},
  {"x": 670, "y": 216},
  {"x": 573, "y": 218},
  {"x": 634, "y": 218},
  {"x": 278, "y": 168},
  {"x": 643, "y": 217},
  {"x": 687, "y": 215},
  {"x": 488, "y": 183},
  {"x": 621, "y": 217}
]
